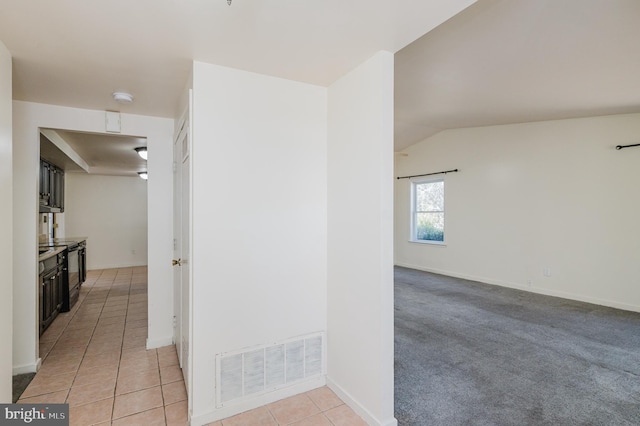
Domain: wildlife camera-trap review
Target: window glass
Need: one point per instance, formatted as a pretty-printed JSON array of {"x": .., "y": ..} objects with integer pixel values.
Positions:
[{"x": 428, "y": 211}]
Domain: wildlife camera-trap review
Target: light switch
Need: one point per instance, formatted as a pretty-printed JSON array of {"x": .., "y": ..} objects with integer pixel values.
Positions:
[{"x": 112, "y": 122}]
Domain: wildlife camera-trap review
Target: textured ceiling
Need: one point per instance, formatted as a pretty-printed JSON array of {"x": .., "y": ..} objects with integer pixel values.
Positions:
[
  {"x": 77, "y": 52},
  {"x": 496, "y": 62}
]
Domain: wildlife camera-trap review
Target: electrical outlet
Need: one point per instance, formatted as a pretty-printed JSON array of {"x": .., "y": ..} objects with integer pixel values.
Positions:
[
  {"x": 529, "y": 283},
  {"x": 546, "y": 271},
  {"x": 133, "y": 252}
]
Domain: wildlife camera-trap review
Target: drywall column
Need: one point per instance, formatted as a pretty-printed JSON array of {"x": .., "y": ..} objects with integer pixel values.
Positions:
[
  {"x": 259, "y": 222},
  {"x": 360, "y": 239},
  {"x": 28, "y": 118},
  {"x": 6, "y": 226}
]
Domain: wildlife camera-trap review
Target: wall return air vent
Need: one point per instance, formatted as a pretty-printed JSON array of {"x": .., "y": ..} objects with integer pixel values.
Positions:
[{"x": 258, "y": 370}]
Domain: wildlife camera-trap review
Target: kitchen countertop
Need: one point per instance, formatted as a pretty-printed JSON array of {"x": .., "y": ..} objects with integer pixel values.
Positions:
[
  {"x": 51, "y": 252},
  {"x": 52, "y": 241}
]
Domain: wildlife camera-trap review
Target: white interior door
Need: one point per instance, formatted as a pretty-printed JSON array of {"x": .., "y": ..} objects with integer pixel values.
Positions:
[
  {"x": 185, "y": 269},
  {"x": 177, "y": 244},
  {"x": 181, "y": 247}
]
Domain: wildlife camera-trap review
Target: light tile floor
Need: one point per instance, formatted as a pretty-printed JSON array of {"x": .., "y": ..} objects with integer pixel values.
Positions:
[
  {"x": 319, "y": 407},
  {"x": 95, "y": 359}
]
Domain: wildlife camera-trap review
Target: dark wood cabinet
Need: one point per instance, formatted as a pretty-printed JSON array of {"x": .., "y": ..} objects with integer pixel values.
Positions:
[
  {"x": 45, "y": 183},
  {"x": 57, "y": 192},
  {"x": 52, "y": 280},
  {"x": 51, "y": 187}
]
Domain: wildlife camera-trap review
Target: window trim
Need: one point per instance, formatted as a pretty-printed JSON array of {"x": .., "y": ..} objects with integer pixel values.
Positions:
[{"x": 412, "y": 212}]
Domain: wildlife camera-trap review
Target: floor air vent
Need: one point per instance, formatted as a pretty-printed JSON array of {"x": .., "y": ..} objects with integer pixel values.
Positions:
[{"x": 263, "y": 369}]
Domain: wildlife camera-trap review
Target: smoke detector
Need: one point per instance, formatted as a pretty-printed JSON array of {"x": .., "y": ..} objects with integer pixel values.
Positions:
[{"x": 123, "y": 97}]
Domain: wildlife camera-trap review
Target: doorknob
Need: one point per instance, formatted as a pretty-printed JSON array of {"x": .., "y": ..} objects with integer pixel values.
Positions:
[{"x": 176, "y": 262}]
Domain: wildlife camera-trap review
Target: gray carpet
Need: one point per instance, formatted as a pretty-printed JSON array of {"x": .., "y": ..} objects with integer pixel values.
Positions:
[
  {"x": 20, "y": 383},
  {"x": 468, "y": 353}
]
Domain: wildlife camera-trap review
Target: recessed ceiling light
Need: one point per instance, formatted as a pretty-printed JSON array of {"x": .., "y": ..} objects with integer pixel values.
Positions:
[
  {"x": 142, "y": 151},
  {"x": 143, "y": 175},
  {"x": 123, "y": 97}
]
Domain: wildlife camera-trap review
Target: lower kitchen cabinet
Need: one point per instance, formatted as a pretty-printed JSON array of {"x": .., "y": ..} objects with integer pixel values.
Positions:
[{"x": 52, "y": 281}]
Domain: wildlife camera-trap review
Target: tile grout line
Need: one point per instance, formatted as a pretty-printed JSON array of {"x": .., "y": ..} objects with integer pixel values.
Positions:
[
  {"x": 68, "y": 391},
  {"x": 115, "y": 386},
  {"x": 164, "y": 414},
  {"x": 101, "y": 294},
  {"x": 92, "y": 334},
  {"x": 66, "y": 326},
  {"x": 84, "y": 354},
  {"x": 104, "y": 304}
]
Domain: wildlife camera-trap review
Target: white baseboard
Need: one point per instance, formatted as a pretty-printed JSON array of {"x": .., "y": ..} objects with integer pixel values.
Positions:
[
  {"x": 160, "y": 342},
  {"x": 27, "y": 368},
  {"x": 258, "y": 401},
  {"x": 115, "y": 266},
  {"x": 532, "y": 289},
  {"x": 359, "y": 409}
]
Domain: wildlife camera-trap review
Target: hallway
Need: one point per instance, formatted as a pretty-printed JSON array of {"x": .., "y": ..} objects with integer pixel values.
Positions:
[{"x": 94, "y": 358}]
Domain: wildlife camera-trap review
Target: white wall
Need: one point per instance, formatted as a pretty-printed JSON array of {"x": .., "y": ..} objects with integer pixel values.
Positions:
[
  {"x": 6, "y": 225},
  {"x": 553, "y": 195},
  {"x": 360, "y": 239},
  {"x": 111, "y": 211},
  {"x": 27, "y": 119},
  {"x": 259, "y": 219}
]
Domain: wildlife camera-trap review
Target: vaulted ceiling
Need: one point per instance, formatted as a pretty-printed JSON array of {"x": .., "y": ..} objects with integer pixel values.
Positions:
[{"x": 513, "y": 61}]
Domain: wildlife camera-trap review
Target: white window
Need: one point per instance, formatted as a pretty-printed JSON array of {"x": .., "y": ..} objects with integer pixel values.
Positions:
[{"x": 427, "y": 211}]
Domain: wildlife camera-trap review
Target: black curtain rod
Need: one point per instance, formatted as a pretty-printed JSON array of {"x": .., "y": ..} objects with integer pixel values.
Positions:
[
  {"x": 428, "y": 174},
  {"x": 619, "y": 147}
]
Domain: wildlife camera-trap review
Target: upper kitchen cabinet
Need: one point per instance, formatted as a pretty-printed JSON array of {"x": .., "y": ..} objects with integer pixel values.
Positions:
[
  {"x": 51, "y": 187},
  {"x": 45, "y": 183},
  {"x": 54, "y": 163}
]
